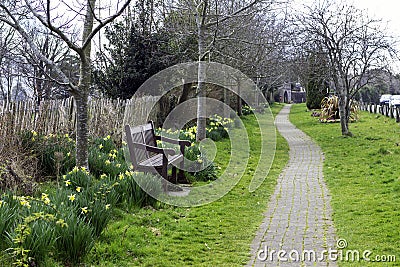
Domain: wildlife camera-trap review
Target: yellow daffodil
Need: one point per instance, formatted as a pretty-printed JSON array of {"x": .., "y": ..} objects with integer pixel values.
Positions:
[
  {"x": 121, "y": 176},
  {"x": 118, "y": 165},
  {"x": 68, "y": 154},
  {"x": 101, "y": 146},
  {"x": 2, "y": 203},
  {"x": 108, "y": 206},
  {"x": 103, "y": 176},
  {"x": 72, "y": 197},
  {"x": 84, "y": 210},
  {"x": 78, "y": 189},
  {"x": 25, "y": 203},
  {"x": 45, "y": 198},
  {"x": 62, "y": 223},
  {"x": 67, "y": 182},
  {"x": 107, "y": 162}
]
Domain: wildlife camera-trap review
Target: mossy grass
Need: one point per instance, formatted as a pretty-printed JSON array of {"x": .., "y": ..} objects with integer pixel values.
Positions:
[{"x": 363, "y": 176}]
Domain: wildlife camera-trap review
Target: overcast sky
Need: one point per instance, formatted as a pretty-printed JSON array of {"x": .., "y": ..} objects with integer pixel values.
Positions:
[{"x": 388, "y": 10}]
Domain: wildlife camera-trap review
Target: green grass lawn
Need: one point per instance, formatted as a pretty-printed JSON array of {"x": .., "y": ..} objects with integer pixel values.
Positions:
[
  {"x": 217, "y": 234},
  {"x": 363, "y": 176}
]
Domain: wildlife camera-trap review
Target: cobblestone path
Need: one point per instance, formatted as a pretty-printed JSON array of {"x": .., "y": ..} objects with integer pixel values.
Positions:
[{"x": 298, "y": 219}]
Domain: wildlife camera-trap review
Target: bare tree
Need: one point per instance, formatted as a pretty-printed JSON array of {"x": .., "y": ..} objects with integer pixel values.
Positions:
[
  {"x": 39, "y": 73},
  {"x": 353, "y": 43},
  {"x": 215, "y": 21},
  {"x": 8, "y": 48},
  {"x": 59, "y": 20}
]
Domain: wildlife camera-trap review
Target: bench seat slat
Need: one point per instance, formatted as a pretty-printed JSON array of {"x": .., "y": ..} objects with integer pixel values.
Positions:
[{"x": 157, "y": 160}]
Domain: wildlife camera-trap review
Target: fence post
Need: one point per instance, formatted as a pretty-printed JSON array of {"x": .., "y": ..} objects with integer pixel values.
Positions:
[{"x": 397, "y": 114}]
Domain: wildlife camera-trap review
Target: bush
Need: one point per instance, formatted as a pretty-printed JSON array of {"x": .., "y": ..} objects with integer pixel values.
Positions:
[{"x": 54, "y": 152}]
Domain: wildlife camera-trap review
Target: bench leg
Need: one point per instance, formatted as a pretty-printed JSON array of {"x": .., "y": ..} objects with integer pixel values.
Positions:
[
  {"x": 181, "y": 175},
  {"x": 164, "y": 174},
  {"x": 173, "y": 176}
]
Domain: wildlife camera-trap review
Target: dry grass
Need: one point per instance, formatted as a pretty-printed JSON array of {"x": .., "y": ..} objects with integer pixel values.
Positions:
[{"x": 18, "y": 169}]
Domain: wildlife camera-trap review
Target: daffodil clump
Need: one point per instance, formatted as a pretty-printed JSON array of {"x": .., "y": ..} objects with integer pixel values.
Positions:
[
  {"x": 203, "y": 169},
  {"x": 247, "y": 110},
  {"x": 64, "y": 224},
  {"x": 217, "y": 128},
  {"x": 27, "y": 227}
]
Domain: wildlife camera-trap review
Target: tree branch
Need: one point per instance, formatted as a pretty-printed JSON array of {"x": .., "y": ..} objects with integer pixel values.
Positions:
[
  {"x": 15, "y": 24},
  {"x": 104, "y": 23}
]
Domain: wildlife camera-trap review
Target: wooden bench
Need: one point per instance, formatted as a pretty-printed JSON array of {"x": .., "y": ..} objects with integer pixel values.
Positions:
[{"x": 147, "y": 157}]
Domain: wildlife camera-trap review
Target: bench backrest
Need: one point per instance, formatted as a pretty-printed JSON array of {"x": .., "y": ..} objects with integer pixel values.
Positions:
[{"x": 142, "y": 134}]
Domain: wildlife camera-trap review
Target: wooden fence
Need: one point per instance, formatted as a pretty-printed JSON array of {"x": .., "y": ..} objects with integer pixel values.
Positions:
[
  {"x": 392, "y": 112},
  {"x": 106, "y": 116}
]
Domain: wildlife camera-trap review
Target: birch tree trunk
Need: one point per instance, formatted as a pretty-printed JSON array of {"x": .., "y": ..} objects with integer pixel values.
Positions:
[{"x": 201, "y": 74}]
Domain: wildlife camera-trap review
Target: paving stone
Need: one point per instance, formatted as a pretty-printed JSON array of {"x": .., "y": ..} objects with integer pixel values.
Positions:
[{"x": 299, "y": 213}]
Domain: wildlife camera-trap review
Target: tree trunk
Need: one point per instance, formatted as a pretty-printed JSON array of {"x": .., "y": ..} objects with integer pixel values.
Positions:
[
  {"x": 82, "y": 129},
  {"x": 238, "y": 100},
  {"x": 343, "y": 113},
  {"x": 201, "y": 73},
  {"x": 201, "y": 103},
  {"x": 82, "y": 98},
  {"x": 185, "y": 92}
]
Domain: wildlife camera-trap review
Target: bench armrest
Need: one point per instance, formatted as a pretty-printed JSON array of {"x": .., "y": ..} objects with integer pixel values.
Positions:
[
  {"x": 166, "y": 151},
  {"x": 173, "y": 141}
]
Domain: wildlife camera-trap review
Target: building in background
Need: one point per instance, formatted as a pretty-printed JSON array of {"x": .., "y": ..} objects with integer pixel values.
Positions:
[{"x": 292, "y": 93}]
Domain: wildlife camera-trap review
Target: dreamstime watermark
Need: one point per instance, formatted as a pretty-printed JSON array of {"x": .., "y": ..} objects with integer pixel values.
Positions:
[
  {"x": 233, "y": 82},
  {"x": 340, "y": 253}
]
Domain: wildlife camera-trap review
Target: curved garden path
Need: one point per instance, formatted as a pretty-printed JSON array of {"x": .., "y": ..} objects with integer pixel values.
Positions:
[{"x": 298, "y": 220}]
